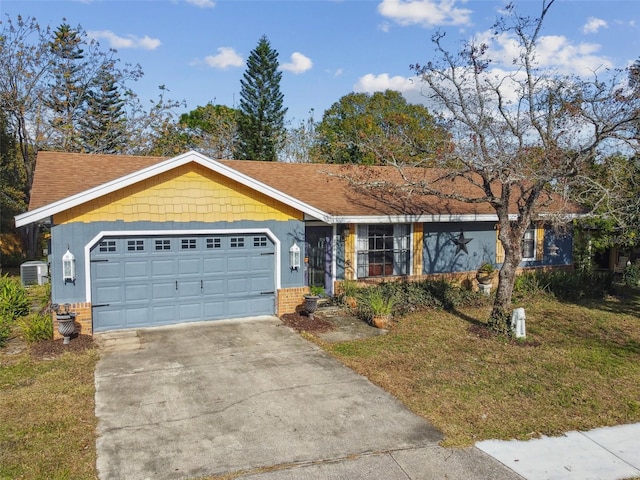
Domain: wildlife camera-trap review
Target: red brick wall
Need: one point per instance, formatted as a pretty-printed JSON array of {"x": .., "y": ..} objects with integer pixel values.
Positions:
[{"x": 84, "y": 324}]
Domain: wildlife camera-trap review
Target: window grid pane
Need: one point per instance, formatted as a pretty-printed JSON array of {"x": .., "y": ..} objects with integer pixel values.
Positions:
[
  {"x": 214, "y": 243},
  {"x": 164, "y": 244},
  {"x": 385, "y": 255},
  {"x": 188, "y": 244},
  {"x": 237, "y": 242},
  {"x": 135, "y": 245}
]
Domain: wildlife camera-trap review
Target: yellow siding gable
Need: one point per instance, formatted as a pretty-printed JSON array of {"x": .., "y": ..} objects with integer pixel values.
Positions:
[{"x": 190, "y": 193}]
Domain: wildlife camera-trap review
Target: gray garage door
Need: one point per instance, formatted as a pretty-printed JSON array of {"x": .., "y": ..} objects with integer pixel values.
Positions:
[{"x": 148, "y": 281}]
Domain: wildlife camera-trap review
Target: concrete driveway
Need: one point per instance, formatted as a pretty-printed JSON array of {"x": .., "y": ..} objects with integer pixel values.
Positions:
[{"x": 211, "y": 398}]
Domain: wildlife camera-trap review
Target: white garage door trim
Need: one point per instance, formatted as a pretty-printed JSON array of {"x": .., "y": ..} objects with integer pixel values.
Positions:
[{"x": 136, "y": 233}]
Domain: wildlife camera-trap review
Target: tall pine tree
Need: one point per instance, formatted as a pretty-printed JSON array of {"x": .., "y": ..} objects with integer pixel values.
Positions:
[
  {"x": 103, "y": 128},
  {"x": 261, "y": 124}
]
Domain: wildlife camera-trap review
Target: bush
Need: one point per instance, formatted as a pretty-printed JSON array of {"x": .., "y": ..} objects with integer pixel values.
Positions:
[
  {"x": 631, "y": 275},
  {"x": 563, "y": 285},
  {"x": 375, "y": 302},
  {"x": 14, "y": 302},
  {"x": 414, "y": 296},
  {"x": 36, "y": 327},
  {"x": 5, "y": 331}
]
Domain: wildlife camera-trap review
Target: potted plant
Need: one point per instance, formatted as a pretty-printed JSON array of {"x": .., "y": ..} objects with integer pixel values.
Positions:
[
  {"x": 378, "y": 307},
  {"x": 349, "y": 294},
  {"x": 311, "y": 299},
  {"x": 485, "y": 273}
]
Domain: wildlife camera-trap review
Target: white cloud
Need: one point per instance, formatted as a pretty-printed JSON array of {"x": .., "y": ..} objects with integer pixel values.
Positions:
[
  {"x": 554, "y": 52},
  {"x": 226, "y": 57},
  {"x": 202, "y": 3},
  {"x": 593, "y": 25},
  {"x": 411, "y": 88},
  {"x": 128, "y": 41},
  {"x": 427, "y": 13},
  {"x": 299, "y": 64}
]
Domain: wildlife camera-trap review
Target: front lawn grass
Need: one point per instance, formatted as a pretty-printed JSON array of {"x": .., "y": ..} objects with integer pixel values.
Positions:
[
  {"x": 578, "y": 369},
  {"x": 47, "y": 417}
]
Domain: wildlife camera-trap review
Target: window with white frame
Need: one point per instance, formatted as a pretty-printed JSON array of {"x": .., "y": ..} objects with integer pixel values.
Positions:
[
  {"x": 529, "y": 244},
  {"x": 383, "y": 250}
]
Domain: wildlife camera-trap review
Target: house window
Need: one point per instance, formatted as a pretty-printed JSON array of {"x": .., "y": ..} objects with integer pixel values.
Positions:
[
  {"x": 237, "y": 242},
  {"x": 163, "y": 244},
  {"x": 529, "y": 244},
  {"x": 188, "y": 244},
  {"x": 260, "y": 241},
  {"x": 135, "y": 245},
  {"x": 213, "y": 243},
  {"x": 383, "y": 250},
  {"x": 107, "y": 246}
]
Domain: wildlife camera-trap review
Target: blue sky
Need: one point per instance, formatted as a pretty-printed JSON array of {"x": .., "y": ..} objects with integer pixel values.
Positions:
[{"x": 327, "y": 48}]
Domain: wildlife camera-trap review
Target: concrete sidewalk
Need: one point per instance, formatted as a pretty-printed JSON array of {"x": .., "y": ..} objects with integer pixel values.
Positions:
[{"x": 611, "y": 453}]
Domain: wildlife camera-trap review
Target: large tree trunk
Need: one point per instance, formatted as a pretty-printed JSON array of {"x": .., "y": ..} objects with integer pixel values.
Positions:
[
  {"x": 511, "y": 234},
  {"x": 500, "y": 318}
]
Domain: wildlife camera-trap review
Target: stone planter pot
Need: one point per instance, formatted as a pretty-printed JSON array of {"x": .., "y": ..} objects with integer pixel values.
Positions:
[
  {"x": 484, "y": 278},
  {"x": 66, "y": 325},
  {"x": 311, "y": 304}
]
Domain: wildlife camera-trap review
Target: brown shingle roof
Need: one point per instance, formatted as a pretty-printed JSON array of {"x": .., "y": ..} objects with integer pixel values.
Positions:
[{"x": 325, "y": 187}]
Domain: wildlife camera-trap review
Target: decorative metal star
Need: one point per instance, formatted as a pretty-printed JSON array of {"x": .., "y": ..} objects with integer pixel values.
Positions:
[{"x": 461, "y": 243}]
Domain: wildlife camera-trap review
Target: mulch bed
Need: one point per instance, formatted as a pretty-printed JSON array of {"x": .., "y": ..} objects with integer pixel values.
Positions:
[
  {"x": 50, "y": 349},
  {"x": 301, "y": 322}
]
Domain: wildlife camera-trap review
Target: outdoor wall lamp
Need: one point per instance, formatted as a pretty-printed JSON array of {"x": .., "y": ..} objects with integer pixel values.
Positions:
[
  {"x": 294, "y": 257},
  {"x": 69, "y": 267},
  {"x": 553, "y": 250},
  {"x": 345, "y": 233}
]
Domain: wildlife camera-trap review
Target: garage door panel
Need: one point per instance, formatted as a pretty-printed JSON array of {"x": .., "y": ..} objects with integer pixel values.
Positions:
[
  {"x": 182, "y": 279},
  {"x": 214, "y": 287},
  {"x": 164, "y": 314},
  {"x": 161, "y": 268},
  {"x": 136, "y": 269},
  {"x": 238, "y": 286},
  {"x": 106, "y": 270},
  {"x": 189, "y": 288},
  {"x": 213, "y": 265},
  {"x": 238, "y": 265},
  {"x": 188, "y": 266},
  {"x": 137, "y": 292},
  {"x": 189, "y": 312},
  {"x": 137, "y": 316},
  {"x": 261, "y": 284},
  {"x": 163, "y": 290},
  {"x": 107, "y": 319},
  {"x": 109, "y": 294},
  {"x": 239, "y": 307}
]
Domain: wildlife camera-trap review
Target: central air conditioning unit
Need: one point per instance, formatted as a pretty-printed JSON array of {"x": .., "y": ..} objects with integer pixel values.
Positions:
[{"x": 34, "y": 273}]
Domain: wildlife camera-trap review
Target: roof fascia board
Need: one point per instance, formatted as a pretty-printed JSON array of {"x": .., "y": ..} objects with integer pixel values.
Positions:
[
  {"x": 156, "y": 169},
  {"x": 418, "y": 218}
]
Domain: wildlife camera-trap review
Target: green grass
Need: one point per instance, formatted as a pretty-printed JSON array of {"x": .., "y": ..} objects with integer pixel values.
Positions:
[
  {"x": 579, "y": 368},
  {"x": 47, "y": 422}
]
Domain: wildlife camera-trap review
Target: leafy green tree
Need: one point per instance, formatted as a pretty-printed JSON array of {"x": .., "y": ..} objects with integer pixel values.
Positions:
[
  {"x": 11, "y": 179},
  {"x": 261, "y": 123},
  {"x": 378, "y": 129},
  {"x": 212, "y": 130}
]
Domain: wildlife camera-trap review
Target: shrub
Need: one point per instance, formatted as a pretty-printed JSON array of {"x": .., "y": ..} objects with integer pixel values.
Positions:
[
  {"x": 36, "y": 327},
  {"x": 5, "y": 330},
  {"x": 631, "y": 275},
  {"x": 563, "y": 285},
  {"x": 374, "y": 302},
  {"x": 14, "y": 302}
]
